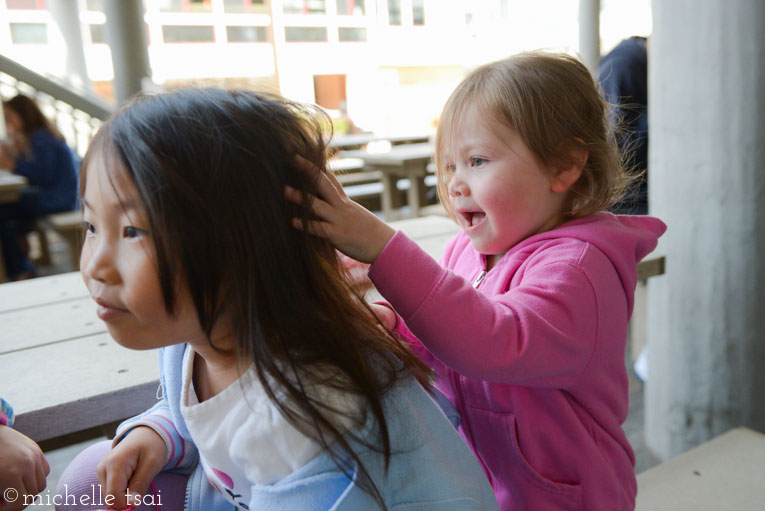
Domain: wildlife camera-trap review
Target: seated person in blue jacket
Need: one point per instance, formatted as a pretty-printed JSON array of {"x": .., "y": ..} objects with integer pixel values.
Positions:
[
  {"x": 38, "y": 152},
  {"x": 23, "y": 467},
  {"x": 281, "y": 390},
  {"x": 623, "y": 76}
]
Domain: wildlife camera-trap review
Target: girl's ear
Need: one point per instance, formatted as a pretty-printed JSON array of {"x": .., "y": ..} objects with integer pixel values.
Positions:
[{"x": 569, "y": 172}]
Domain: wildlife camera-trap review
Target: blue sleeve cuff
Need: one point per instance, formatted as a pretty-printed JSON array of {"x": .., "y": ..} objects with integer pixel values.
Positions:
[{"x": 6, "y": 413}]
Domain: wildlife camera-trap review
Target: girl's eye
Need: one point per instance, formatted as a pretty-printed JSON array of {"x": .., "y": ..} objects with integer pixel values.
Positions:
[
  {"x": 89, "y": 229},
  {"x": 132, "y": 232},
  {"x": 476, "y": 161}
]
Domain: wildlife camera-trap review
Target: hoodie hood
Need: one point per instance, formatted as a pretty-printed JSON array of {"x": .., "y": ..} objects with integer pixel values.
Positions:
[{"x": 624, "y": 239}]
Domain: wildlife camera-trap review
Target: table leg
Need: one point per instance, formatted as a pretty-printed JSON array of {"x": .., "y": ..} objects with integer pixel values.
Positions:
[
  {"x": 416, "y": 191},
  {"x": 389, "y": 188}
]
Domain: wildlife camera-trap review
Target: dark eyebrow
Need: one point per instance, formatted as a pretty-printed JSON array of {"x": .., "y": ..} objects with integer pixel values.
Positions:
[{"x": 130, "y": 205}]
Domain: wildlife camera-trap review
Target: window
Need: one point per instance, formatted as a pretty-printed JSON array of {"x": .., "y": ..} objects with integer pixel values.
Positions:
[
  {"x": 418, "y": 12},
  {"x": 29, "y": 33},
  {"x": 350, "y": 7},
  {"x": 352, "y": 34},
  {"x": 25, "y": 4},
  {"x": 394, "y": 12},
  {"x": 97, "y": 34},
  {"x": 305, "y": 34},
  {"x": 95, "y": 5},
  {"x": 185, "y": 5},
  {"x": 304, "y": 6},
  {"x": 187, "y": 34},
  {"x": 246, "y": 34},
  {"x": 245, "y": 6}
]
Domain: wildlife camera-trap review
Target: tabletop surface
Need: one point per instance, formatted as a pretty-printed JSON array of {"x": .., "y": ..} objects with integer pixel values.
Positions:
[
  {"x": 398, "y": 155},
  {"x": 11, "y": 182},
  {"x": 345, "y": 164},
  {"x": 359, "y": 139},
  {"x": 724, "y": 474}
]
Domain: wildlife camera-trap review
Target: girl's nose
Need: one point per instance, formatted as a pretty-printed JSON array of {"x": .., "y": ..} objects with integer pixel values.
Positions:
[
  {"x": 457, "y": 186},
  {"x": 97, "y": 262}
]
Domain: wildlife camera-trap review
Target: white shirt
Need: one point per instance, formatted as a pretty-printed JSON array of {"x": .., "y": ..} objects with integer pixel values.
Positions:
[{"x": 242, "y": 437}]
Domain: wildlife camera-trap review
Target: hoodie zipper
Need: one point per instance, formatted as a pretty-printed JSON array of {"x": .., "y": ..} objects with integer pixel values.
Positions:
[
  {"x": 465, "y": 421},
  {"x": 479, "y": 278},
  {"x": 462, "y": 409}
]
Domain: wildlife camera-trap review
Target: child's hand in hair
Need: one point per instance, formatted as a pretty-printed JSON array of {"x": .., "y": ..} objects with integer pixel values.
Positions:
[
  {"x": 356, "y": 273},
  {"x": 385, "y": 314},
  {"x": 23, "y": 469},
  {"x": 131, "y": 465},
  {"x": 350, "y": 227}
]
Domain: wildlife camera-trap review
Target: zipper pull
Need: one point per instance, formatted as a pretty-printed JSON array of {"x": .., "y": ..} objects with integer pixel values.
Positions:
[{"x": 479, "y": 278}]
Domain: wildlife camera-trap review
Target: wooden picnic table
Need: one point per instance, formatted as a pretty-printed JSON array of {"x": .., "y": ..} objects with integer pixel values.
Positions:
[
  {"x": 402, "y": 161},
  {"x": 10, "y": 191},
  {"x": 59, "y": 368}
]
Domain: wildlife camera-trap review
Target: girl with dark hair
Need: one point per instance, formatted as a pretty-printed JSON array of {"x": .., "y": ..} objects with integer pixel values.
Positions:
[
  {"x": 39, "y": 153},
  {"x": 281, "y": 390}
]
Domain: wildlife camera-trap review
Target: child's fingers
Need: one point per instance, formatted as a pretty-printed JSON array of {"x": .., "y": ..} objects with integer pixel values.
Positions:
[
  {"x": 116, "y": 486},
  {"x": 40, "y": 474},
  {"x": 319, "y": 207},
  {"x": 329, "y": 188},
  {"x": 314, "y": 227},
  {"x": 306, "y": 166},
  {"x": 295, "y": 195}
]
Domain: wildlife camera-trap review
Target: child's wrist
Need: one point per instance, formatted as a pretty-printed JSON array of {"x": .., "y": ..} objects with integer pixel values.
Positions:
[{"x": 382, "y": 238}]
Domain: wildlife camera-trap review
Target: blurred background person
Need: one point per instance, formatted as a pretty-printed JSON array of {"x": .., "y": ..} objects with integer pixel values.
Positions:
[
  {"x": 36, "y": 150},
  {"x": 623, "y": 76}
]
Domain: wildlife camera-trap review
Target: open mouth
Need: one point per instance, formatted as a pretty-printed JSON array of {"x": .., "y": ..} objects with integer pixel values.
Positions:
[{"x": 473, "y": 218}]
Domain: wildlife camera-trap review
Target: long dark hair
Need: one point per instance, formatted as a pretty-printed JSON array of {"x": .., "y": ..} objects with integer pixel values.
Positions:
[
  {"x": 211, "y": 166},
  {"x": 32, "y": 118}
]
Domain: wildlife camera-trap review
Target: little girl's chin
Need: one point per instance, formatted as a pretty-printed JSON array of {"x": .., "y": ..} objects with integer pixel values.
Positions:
[{"x": 131, "y": 342}]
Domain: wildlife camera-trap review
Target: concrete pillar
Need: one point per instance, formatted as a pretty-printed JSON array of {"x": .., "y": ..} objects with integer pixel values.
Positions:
[
  {"x": 126, "y": 35},
  {"x": 67, "y": 17},
  {"x": 589, "y": 32},
  {"x": 706, "y": 319}
]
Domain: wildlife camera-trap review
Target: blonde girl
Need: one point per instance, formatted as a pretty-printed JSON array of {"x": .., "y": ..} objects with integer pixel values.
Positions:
[{"x": 525, "y": 318}]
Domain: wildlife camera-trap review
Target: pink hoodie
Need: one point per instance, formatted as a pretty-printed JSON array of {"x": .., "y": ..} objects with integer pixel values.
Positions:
[{"x": 533, "y": 358}]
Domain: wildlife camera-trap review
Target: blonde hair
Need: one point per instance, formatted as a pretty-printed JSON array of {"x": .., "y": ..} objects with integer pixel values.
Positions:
[{"x": 552, "y": 102}]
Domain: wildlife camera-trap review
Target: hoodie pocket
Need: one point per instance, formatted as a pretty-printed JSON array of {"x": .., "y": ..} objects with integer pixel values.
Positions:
[{"x": 516, "y": 483}]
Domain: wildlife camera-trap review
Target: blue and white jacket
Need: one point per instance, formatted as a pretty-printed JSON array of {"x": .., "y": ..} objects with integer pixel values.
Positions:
[{"x": 431, "y": 468}]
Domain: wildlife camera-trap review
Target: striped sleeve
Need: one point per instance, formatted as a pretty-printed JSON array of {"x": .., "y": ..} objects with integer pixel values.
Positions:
[
  {"x": 6, "y": 413},
  {"x": 181, "y": 453}
]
